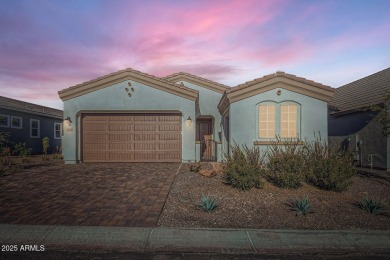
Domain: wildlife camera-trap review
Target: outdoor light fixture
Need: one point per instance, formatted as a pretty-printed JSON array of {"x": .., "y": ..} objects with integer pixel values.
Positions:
[
  {"x": 68, "y": 120},
  {"x": 189, "y": 121}
]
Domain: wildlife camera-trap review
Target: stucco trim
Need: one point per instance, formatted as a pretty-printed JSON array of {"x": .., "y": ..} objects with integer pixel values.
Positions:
[
  {"x": 202, "y": 82},
  {"x": 223, "y": 104},
  {"x": 282, "y": 83},
  {"x": 127, "y": 74},
  {"x": 130, "y": 112},
  {"x": 278, "y": 143}
]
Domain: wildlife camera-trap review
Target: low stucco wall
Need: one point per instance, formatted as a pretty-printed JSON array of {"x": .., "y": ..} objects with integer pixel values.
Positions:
[{"x": 115, "y": 98}]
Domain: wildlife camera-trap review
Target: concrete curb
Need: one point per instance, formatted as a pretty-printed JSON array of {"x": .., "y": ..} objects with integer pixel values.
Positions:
[{"x": 198, "y": 240}]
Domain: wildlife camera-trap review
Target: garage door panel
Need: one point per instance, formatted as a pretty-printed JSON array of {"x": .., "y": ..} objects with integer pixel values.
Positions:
[
  {"x": 131, "y": 138},
  {"x": 145, "y": 118},
  {"x": 95, "y": 127},
  {"x": 169, "y": 118},
  {"x": 144, "y": 127},
  {"x": 121, "y": 127},
  {"x": 168, "y": 157},
  {"x": 121, "y": 157},
  {"x": 144, "y": 146},
  {"x": 145, "y": 137},
  {"x": 169, "y": 128},
  {"x": 95, "y": 146},
  {"x": 169, "y": 136},
  {"x": 120, "y": 118},
  {"x": 93, "y": 137},
  {"x": 121, "y": 147},
  {"x": 120, "y": 137},
  {"x": 169, "y": 146},
  {"x": 95, "y": 157}
]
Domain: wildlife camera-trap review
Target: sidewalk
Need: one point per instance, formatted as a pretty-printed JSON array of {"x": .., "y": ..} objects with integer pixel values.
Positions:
[{"x": 189, "y": 240}]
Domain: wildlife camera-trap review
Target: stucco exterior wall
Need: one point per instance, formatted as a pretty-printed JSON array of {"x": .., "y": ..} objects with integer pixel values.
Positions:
[
  {"x": 243, "y": 116},
  {"x": 115, "y": 98},
  {"x": 208, "y": 106}
]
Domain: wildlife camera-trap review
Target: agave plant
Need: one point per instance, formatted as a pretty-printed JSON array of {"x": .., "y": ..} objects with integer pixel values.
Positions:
[
  {"x": 371, "y": 205},
  {"x": 208, "y": 204},
  {"x": 301, "y": 206}
]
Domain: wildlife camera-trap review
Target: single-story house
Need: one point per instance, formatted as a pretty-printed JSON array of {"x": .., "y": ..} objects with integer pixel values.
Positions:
[
  {"x": 353, "y": 128},
  {"x": 130, "y": 116},
  {"x": 29, "y": 123}
]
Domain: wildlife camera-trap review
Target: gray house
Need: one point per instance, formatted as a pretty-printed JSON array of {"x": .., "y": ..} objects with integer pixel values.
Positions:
[
  {"x": 130, "y": 116},
  {"x": 354, "y": 129},
  {"x": 28, "y": 123}
]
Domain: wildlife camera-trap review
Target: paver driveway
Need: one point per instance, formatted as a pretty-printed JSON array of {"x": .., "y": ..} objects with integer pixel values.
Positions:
[{"x": 122, "y": 194}]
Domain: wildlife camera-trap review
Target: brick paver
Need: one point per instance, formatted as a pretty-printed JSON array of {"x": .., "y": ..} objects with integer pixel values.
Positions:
[{"x": 121, "y": 194}]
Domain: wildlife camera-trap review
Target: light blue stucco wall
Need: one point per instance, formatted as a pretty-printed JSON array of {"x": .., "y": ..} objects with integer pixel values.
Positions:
[
  {"x": 244, "y": 116},
  {"x": 208, "y": 106},
  {"x": 115, "y": 98}
]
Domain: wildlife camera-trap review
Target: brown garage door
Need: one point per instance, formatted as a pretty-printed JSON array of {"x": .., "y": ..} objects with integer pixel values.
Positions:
[{"x": 131, "y": 137}]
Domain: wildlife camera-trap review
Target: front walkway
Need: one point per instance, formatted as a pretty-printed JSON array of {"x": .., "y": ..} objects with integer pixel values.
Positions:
[{"x": 120, "y": 194}]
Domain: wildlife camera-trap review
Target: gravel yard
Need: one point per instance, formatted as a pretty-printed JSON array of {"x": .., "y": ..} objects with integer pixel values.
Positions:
[{"x": 267, "y": 208}]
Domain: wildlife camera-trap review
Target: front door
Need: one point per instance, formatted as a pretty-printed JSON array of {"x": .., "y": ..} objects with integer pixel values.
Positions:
[{"x": 204, "y": 135}]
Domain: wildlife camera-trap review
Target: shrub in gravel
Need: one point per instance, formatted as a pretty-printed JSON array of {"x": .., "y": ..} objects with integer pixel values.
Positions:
[
  {"x": 195, "y": 167},
  {"x": 327, "y": 168},
  {"x": 244, "y": 168},
  {"x": 372, "y": 206},
  {"x": 208, "y": 204},
  {"x": 286, "y": 163},
  {"x": 301, "y": 206}
]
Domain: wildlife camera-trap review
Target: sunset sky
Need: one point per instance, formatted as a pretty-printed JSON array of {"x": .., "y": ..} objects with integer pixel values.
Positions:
[{"x": 46, "y": 46}]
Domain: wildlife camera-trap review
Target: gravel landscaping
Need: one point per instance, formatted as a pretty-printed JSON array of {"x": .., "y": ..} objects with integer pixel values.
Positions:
[{"x": 267, "y": 208}]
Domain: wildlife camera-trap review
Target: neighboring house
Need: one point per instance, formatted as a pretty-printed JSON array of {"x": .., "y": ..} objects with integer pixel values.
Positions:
[
  {"x": 130, "y": 116},
  {"x": 28, "y": 123},
  {"x": 354, "y": 129}
]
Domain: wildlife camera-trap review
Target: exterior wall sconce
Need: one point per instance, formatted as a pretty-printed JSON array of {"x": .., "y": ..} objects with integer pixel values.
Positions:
[
  {"x": 68, "y": 120},
  {"x": 189, "y": 121}
]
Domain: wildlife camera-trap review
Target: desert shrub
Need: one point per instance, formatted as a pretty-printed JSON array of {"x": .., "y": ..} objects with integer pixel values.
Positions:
[
  {"x": 45, "y": 145},
  {"x": 286, "y": 163},
  {"x": 21, "y": 150},
  {"x": 5, "y": 151},
  {"x": 195, "y": 167},
  {"x": 372, "y": 206},
  {"x": 301, "y": 206},
  {"x": 208, "y": 204},
  {"x": 5, "y": 160},
  {"x": 327, "y": 168},
  {"x": 57, "y": 156},
  {"x": 243, "y": 169}
]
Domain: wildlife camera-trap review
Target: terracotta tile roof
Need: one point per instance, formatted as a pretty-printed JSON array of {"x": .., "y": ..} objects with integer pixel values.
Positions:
[
  {"x": 123, "y": 71},
  {"x": 280, "y": 74},
  {"x": 197, "y": 77},
  {"x": 367, "y": 91},
  {"x": 14, "y": 104}
]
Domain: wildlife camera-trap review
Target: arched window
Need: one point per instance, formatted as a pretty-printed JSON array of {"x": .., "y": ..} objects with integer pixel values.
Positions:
[
  {"x": 278, "y": 119},
  {"x": 288, "y": 120},
  {"x": 267, "y": 122}
]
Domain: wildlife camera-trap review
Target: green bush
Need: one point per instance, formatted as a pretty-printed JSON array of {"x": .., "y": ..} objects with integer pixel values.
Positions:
[
  {"x": 286, "y": 163},
  {"x": 195, "y": 167},
  {"x": 208, "y": 204},
  {"x": 243, "y": 169},
  {"x": 301, "y": 206},
  {"x": 326, "y": 168},
  {"x": 372, "y": 206},
  {"x": 21, "y": 150},
  {"x": 45, "y": 145}
]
